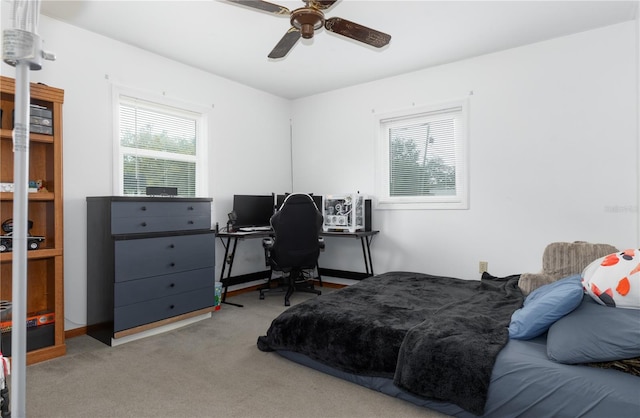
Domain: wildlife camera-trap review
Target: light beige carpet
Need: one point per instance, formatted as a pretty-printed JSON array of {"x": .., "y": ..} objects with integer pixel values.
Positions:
[{"x": 208, "y": 369}]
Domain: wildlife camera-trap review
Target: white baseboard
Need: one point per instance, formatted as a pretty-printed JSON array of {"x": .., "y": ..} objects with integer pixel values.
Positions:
[{"x": 159, "y": 330}]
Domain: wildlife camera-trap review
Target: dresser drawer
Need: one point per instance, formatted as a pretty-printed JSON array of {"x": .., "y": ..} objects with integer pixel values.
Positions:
[
  {"x": 151, "y": 209},
  {"x": 142, "y": 217},
  {"x": 142, "y": 225},
  {"x": 130, "y": 316},
  {"x": 147, "y": 257},
  {"x": 135, "y": 291}
]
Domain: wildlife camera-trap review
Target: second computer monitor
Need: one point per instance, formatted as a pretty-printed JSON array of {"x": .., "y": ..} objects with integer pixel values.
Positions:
[{"x": 252, "y": 210}]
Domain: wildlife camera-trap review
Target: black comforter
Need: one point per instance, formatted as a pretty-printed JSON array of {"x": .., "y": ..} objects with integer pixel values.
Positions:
[{"x": 437, "y": 337}]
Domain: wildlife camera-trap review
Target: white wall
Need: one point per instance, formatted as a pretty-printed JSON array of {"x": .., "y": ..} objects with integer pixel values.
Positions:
[
  {"x": 553, "y": 155},
  {"x": 239, "y": 152},
  {"x": 638, "y": 111}
]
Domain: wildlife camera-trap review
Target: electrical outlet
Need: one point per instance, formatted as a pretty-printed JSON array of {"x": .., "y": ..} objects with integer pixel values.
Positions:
[{"x": 483, "y": 266}]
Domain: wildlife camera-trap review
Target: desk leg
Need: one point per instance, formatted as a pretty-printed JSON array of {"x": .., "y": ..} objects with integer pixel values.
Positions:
[
  {"x": 225, "y": 281},
  {"x": 366, "y": 252},
  {"x": 319, "y": 275},
  {"x": 224, "y": 263}
]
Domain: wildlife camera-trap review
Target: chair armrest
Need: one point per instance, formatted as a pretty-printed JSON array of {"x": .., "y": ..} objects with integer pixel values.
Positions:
[
  {"x": 321, "y": 242},
  {"x": 267, "y": 243}
]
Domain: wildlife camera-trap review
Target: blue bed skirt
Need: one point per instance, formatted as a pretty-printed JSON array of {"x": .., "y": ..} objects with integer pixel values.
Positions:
[{"x": 525, "y": 383}]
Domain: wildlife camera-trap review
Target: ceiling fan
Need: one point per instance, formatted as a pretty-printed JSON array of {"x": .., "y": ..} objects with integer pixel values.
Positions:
[{"x": 306, "y": 20}]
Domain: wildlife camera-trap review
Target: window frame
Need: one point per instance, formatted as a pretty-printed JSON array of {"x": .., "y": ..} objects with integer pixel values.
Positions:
[
  {"x": 177, "y": 107},
  {"x": 382, "y": 169}
]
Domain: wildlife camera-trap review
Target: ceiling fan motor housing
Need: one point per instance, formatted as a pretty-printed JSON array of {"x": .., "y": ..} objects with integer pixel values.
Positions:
[{"x": 307, "y": 20}]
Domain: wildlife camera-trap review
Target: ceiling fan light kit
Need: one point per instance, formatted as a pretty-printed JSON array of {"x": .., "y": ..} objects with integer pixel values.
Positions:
[{"x": 306, "y": 20}]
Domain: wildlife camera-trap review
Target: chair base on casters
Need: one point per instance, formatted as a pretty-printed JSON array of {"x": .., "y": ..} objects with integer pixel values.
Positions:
[{"x": 293, "y": 282}]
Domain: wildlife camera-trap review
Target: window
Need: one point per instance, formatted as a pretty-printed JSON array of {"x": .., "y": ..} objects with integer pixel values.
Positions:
[
  {"x": 158, "y": 144},
  {"x": 421, "y": 159}
]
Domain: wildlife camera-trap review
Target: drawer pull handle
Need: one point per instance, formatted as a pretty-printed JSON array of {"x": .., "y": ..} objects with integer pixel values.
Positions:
[
  {"x": 172, "y": 246},
  {"x": 143, "y": 224},
  {"x": 190, "y": 207},
  {"x": 172, "y": 285},
  {"x": 190, "y": 222},
  {"x": 172, "y": 306},
  {"x": 172, "y": 264},
  {"x": 144, "y": 208}
]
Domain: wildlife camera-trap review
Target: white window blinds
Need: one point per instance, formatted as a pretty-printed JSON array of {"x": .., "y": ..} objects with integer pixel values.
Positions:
[
  {"x": 423, "y": 158},
  {"x": 158, "y": 146}
]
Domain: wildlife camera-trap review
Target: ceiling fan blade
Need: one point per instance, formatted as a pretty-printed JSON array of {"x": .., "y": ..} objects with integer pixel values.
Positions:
[
  {"x": 265, "y": 6},
  {"x": 356, "y": 31},
  {"x": 321, "y": 4},
  {"x": 286, "y": 43}
]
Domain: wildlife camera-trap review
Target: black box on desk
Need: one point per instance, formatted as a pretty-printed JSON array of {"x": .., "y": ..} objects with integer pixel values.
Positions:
[{"x": 367, "y": 215}]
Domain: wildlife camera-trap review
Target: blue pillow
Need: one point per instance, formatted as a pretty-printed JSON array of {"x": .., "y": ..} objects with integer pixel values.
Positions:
[
  {"x": 595, "y": 333},
  {"x": 544, "y": 306}
]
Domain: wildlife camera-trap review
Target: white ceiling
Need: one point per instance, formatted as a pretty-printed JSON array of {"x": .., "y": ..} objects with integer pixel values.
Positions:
[{"x": 233, "y": 41}]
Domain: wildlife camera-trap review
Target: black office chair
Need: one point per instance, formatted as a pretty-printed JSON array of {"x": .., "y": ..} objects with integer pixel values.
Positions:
[{"x": 296, "y": 245}]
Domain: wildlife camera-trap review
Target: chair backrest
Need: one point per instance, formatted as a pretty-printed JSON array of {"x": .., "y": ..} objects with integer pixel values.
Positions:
[{"x": 296, "y": 226}]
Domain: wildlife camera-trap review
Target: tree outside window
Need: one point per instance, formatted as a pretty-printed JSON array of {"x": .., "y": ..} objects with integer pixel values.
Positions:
[
  {"x": 158, "y": 146},
  {"x": 422, "y": 158}
]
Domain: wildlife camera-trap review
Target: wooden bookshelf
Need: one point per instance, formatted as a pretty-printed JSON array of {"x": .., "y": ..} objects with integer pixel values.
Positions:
[{"x": 45, "y": 264}]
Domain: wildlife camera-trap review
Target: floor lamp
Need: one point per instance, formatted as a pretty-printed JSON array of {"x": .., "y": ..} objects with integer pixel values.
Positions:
[{"x": 21, "y": 48}]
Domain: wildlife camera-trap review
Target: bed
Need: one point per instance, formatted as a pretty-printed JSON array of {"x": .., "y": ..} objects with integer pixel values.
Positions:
[{"x": 444, "y": 343}]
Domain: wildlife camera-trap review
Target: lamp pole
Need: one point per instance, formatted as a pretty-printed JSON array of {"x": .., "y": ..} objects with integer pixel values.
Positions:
[{"x": 21, "y": 48}]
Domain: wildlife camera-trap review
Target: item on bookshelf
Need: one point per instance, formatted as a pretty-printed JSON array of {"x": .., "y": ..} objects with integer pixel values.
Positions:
[
  {"x": 343, "y": 212},
  {"x": 40, "y": 119},
  {"x": 40, "y": 187},
  {"x": 33, "y": 320},
  {"x": 40, "y": 129},
  {"x": 6, "y": 240},
  {"x": 41, "y": 112},
  {"x": 5, "y": 310},
  {"x": 37, "y": 186},
  {"x": 37, "y": 120},
  {"x": 6, "y": 187}
]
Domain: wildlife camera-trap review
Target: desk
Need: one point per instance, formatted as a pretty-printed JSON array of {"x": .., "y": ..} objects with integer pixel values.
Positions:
[
  {"x": 230, "y": 243},
  {"x": 365, "y": 238},
  {"x": 230, "y": 256}
]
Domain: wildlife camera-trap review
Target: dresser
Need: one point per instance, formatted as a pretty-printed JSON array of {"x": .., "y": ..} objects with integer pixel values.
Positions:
[{"x": 150, "y": 263}]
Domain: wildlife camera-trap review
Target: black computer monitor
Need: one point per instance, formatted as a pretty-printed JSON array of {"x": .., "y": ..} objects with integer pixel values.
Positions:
[
  {"x": 252, "y": 210},
  {"x": 316, "y": 199}
]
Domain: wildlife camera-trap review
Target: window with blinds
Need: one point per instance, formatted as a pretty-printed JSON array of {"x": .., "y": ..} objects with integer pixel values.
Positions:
[
  {"x": 422, "y": 158},
  {"x": 158, "y": 146}
]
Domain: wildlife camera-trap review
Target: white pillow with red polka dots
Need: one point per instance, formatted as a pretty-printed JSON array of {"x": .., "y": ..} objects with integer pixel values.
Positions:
[{"x": 614, "y": 280}]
